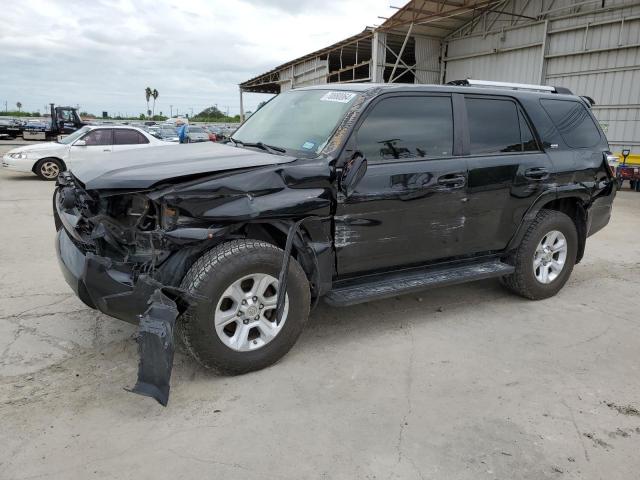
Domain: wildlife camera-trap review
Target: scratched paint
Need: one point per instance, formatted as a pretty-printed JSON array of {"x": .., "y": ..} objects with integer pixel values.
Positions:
[{"x": 448, "y": 226}]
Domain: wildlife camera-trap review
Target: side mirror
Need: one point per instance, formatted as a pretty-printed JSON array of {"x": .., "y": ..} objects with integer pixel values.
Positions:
[
  {"x": 80, "y": 143},
  {"x": 352, "y": 173},
  {"x": 625, "y": 153}
]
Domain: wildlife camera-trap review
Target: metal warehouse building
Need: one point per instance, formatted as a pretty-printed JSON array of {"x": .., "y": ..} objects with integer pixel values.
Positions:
[{"x": 591, "y": 47}]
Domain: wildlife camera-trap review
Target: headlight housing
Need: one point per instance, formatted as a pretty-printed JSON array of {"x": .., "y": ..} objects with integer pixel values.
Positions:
[{"x": 18, "y": 155}]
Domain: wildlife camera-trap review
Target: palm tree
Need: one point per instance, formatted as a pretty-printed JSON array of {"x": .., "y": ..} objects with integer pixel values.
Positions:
[
  {"x": 19, "y": 105},
  {"x": 155, "y": 96},
  {"x": 147, "y": 93}
]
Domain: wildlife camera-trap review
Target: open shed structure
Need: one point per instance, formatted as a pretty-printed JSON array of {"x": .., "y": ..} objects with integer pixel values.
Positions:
[{"x": 591, "y": 47}]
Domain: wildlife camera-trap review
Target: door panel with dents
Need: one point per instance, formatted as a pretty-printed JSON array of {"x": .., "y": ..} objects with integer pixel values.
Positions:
[
  {"x": 409, "y": 206},
  {"x": 400, "y": 214},
  {"x": 500, "y": 190}
]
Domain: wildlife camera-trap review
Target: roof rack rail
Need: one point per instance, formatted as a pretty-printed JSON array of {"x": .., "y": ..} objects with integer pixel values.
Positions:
[{"x": 512, "y": 86}]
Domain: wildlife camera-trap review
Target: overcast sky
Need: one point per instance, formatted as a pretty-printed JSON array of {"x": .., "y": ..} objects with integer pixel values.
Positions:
[{"x": 101, "y": 54}]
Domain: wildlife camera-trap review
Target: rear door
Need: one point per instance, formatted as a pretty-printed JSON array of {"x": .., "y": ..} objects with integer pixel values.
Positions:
[
  {"x": 127, "y": 139},
  {"x": 408, "y": 208},
  {"x": 507, "y": 170}
]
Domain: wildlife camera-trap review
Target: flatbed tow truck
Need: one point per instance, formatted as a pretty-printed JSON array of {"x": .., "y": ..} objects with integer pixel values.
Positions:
[{"x": 64, "y": 120}]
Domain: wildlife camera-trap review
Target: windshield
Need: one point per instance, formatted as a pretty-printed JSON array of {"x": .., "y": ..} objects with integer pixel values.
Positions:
[
  {"x": 74, "y": 136},
  {"x": 196, "y": 130},
  {"x": 298, "y": 120}
]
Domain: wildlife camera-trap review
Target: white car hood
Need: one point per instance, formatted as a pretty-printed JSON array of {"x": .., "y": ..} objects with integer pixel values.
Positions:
[{"x": 41, "y": 147}]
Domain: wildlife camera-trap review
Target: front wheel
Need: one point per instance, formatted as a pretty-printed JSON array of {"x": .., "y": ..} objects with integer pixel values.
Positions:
[
  {"x": 545, "y": 258},
  {"x": 234, "y": 328},
  {"x": 48, "y": 168}
]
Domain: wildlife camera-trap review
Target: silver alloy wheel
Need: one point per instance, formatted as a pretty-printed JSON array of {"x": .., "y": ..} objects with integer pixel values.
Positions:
[
  {"x": 245, "y": 317},
  {"x": 550, "y": 257},
  {"x": 49, "y": 169}
]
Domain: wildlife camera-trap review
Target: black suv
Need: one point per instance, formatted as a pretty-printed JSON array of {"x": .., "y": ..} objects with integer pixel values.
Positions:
[{"x": 347, "y": 192}]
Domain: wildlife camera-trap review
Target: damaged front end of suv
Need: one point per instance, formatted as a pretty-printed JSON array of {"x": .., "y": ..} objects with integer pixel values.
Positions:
[{"x": 125, "y": 244}]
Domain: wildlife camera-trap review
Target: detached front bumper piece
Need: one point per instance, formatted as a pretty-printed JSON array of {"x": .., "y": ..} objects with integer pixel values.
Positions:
[
  {"x": 103, "y": 284},
  {"x": 156, "y": 348},
  {"x": 109, "y": 287}
]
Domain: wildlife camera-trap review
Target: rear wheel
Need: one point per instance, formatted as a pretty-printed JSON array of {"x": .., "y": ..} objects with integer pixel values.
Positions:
[
  {"x": 235, "y": 329},
  {"x": 48, "y": 168},
  {"x": 545, "y": 258}
]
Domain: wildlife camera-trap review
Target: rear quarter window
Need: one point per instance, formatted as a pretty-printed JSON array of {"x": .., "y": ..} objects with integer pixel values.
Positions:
[{"x": 573, "y": 122}]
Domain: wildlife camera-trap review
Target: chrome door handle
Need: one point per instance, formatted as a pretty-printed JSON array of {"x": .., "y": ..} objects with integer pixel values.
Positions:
[
  {"x": 452, "y": 180},
  {"x": 536, "y": 173}
]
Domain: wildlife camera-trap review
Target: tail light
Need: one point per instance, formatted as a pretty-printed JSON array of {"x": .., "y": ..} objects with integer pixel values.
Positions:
[{"x": 610, "y": 161}]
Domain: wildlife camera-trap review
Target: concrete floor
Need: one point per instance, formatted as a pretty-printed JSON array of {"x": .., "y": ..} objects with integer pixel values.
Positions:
[{"x": 468, "y": 382}]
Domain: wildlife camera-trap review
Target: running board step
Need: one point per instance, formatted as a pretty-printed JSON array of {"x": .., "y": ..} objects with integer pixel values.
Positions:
[{"x": 375, "y": 287}]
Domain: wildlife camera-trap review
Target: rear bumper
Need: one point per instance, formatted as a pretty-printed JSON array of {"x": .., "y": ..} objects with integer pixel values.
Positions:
[
  {"x": 103, "y": 284},
  {"x": 599, "y": 213}
]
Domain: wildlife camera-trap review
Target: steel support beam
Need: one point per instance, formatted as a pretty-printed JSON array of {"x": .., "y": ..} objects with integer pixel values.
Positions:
[
  {"x": 404, "y": 44},
  {"x": 543, "y": 53},
  {"x": 378, "y": 56}
]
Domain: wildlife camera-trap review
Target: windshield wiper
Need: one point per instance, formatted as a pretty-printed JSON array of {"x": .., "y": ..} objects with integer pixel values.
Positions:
[{"x": 260, "y": 145}]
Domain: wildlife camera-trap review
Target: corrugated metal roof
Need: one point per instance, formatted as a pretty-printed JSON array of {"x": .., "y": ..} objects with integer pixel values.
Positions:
[
  {"x": 437, "y": 18},
  {"x": 434, "y": 18}
]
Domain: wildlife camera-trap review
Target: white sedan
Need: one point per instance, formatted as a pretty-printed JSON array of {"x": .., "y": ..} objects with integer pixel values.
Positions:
[{"x": 47, "y": 160}]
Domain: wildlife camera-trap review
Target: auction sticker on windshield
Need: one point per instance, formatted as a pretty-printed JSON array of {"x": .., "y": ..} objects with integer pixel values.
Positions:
[{"x": 341, "y": 97}]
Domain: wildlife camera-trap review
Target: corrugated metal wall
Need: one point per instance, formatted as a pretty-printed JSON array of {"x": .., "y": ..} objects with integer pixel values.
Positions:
[
  {"x": 311, "y": 72},
  {"x": 592, "y": 50},
  {"x": 427, "y": 51}
]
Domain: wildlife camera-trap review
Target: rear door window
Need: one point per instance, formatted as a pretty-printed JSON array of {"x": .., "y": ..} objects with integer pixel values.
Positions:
[
  {"x": 125, "y": 136},
  {"x": 495, "y": 127},
  {"x": 406, "y": 128},
  {"x": 573, "y": 122}
]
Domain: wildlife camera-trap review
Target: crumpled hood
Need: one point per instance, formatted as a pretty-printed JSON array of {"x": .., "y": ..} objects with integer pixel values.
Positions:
[{"x": 144, "y": 167}]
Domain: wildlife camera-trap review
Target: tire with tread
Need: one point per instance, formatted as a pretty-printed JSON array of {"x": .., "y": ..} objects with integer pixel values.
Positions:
[
  {"x": 210, "y": 276},
  {"x": 38, "y": 168},
  {"x": 523, "y": 281}
]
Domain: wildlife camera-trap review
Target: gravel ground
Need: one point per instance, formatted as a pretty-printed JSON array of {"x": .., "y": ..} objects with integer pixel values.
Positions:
[{"x": 467, "y": 382}]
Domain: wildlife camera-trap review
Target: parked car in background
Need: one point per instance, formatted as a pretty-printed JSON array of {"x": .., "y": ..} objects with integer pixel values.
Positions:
[
  {"x": 197, "y": 134},
  {"x": 47, "y": 160},
  {"x": 215, "y": 133},
  {"x": 167, "y": 134},
  {"x": 10, "y": 128},
  {"x": 210, "y": 134},
  {"x": 35, "y": 126}
]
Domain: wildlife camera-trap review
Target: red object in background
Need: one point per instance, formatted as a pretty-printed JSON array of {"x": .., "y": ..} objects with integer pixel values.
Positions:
[
  {"x": 628, "y": 172},
  {"x": 213, "y": 137}
]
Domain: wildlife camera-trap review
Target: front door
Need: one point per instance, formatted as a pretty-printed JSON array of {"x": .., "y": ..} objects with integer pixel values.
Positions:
[
  {"x": 409, "y": 207},
  {"x": 98, "y": 143}
]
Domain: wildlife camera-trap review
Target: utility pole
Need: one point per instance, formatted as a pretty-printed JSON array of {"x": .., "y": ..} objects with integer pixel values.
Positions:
[
  {"x": 191, "y": 108},
  {"x": 171, "y": 114}
]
